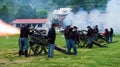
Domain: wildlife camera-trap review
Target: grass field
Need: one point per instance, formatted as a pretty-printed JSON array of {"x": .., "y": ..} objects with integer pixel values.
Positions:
[{"x": 95, "y": 57}]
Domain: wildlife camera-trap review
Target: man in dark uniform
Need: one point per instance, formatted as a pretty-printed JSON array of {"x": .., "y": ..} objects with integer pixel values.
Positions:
[
  {"x": 90, "y": 37},
  {"x": 111, "y": 35},
  {"x": 77, "y": 37},
  {"x": 71, "y": 41},
  {"x": 23, "y": 41},
  {"x": 51, "y": 40},
  {"x": 66, "y": 32},
  {"x": 96, "y": 32}
]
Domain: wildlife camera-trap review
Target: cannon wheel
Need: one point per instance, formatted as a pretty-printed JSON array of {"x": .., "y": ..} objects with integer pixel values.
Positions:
[
  {"x": 38, "y": 49},
  {"x": 82, "y": 43},
  {"x": 83, "y": 40}
]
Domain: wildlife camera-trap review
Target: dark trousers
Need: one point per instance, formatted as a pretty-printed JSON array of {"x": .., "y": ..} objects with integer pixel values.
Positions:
[
  {"x": 107, "y": 38},
  {"x": 89, "y": 41},
  {"x": 51, "y": 50},
  {"x": 23, "y": 44},
  {"x": 110, "y": 38},
  {"x": 71, "y": 44}
]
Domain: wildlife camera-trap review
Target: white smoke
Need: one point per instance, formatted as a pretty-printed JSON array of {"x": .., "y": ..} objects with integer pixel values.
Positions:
[
  {"x": 109, "y": 19},
  {"x": 113, "y": 15},
  {"x": 77, "y": 19},
  {"x": 82, "y": 19}
]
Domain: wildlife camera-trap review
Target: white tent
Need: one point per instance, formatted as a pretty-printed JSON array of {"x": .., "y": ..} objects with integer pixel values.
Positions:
[{"x": 7, "y": 29}]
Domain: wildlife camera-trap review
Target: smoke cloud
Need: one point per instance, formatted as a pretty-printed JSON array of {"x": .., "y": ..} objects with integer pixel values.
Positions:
[
  {"x": 113, "y": 15},
  {"x": 82, "y": 19},
  {"x": 108, "y": 19}
]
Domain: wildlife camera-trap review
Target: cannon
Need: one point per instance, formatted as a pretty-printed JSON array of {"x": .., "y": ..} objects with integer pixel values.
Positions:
[
  {"x": 83, "y": 39},
  {"x": 38, "y": 43}
]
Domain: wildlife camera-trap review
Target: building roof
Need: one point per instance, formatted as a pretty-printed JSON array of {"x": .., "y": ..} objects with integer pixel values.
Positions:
[{"x": 30, "y": 21}]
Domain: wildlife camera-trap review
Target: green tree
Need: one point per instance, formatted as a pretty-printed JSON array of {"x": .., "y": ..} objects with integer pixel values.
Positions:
[
  {"x": 95, "y": 4},
  {"x": 26, "y": 11},
  {"x": 1, "y": 3},
  {"x": 12, "y": 9},
  {"x": 42, "y": 13},
  {"x": 87, "y": 5},
  {"x": 4, "y": 13}
]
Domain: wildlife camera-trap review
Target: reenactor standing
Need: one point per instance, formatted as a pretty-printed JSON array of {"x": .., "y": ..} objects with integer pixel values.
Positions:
[
  {"x": 90, "y": 37},
  {"x": 77, "y": 37},
  {"x": 66, "y": 32},
  {"x": 96, "y": 32},
  {"x": 106, "y": 34},
  {"x": 71, "y": 42},
  {"x": 111, "y": 35},
  {"x": 23, "y": 41},
  {"x": 51, "y": 40}
]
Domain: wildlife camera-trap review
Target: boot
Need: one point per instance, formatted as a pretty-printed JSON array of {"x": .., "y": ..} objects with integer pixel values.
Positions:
[
  {"x": 20, "y": 53},
  {"x": 26, "y": 53},
  {"x": 89, "y": 45}
]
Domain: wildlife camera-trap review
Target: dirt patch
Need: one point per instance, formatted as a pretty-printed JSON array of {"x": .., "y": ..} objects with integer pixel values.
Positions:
[
  {"x": 24, "y": 60},
  {"x": 5, "y": 61},
  {"x": 1, "y": 53}
]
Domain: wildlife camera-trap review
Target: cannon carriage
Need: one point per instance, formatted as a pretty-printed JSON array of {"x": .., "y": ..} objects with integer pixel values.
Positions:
[
  {"x": 38, "y": 43},
  {"x": 97, "y": 41}
]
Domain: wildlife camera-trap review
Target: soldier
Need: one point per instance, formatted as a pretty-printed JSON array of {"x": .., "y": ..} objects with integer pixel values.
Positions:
[
  {"x": 96, "y": 31},
  {"x": 66, "y": 31},
  {"x": 90, "y": 37},
  {"x": 106, "y": 34},
  {"x": 23, "y": 41},
  {"x": 111, "y": 35},
  {"x": 77, "y": 37},
  {"x": 51, "y": 40},
  {"x": 71, "y": 42}
]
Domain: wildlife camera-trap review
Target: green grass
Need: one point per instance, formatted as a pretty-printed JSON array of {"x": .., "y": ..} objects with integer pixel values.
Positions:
[{"x": 95, "y": 57}]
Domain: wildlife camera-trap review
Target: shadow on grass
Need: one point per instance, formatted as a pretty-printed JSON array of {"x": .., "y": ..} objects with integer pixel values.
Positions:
[{"x": 115, "y": 41}]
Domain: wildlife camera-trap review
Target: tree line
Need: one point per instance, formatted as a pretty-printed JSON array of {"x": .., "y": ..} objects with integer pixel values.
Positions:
[{"x": 19, "y": 9}]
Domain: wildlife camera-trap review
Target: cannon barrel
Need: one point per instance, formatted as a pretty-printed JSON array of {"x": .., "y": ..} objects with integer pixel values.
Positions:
[
  {"x": 98, "y": 44},
  {"x": 60, "y": 49}
]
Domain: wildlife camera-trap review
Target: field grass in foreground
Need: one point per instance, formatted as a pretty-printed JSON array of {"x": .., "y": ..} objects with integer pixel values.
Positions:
[{"x": 95, "y": 57}]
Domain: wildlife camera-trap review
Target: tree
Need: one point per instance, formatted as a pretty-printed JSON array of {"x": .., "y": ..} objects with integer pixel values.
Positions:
[
  {"x": 42, "y": 13},
  {"x": 87, "y": 5},
  {"x": 27, "y": 8},
  {"x": 4, "y": 13},
  {"x": 26, "y": 11},
  {"x": 1, "y": 2}
]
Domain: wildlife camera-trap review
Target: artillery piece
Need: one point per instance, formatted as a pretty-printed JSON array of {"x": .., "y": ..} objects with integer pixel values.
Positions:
[
  {"x": 38, "y": 43},
  {"x": 83, "y": 39}
]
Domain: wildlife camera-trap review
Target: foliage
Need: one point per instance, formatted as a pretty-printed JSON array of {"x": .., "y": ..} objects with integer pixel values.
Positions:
[
  {"x": 1, "y": 2},
  {"x": 26, "y": 11},
  {"x": 4, "y": 13},
  {"x": 42, "y": 13},
  {"x": 88, "y": 4},
  {"x": 27, "y": 8}
]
